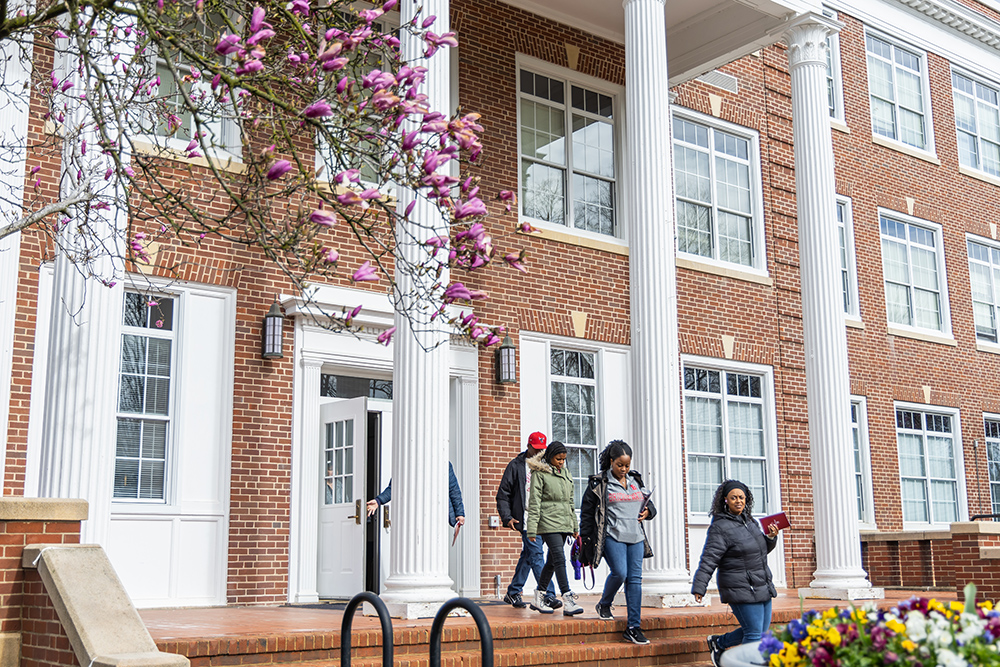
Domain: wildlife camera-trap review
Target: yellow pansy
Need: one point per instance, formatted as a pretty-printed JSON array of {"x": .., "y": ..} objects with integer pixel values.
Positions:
[
  {"x": 957, "y": 606},
  {"x": 895, "y": 625},
  {"x": 834, "y": 637},
  {"x": 986, "y": 605},
  {"x": 908, "y": 645},
  {"x": 830, "y": 613}
]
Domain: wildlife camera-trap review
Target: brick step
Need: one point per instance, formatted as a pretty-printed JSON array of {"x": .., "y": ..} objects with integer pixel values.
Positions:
[{"x": 683, "y": 651}]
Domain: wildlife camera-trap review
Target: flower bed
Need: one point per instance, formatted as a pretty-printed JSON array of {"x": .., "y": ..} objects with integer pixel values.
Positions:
[{"x": 920, "y": 632}]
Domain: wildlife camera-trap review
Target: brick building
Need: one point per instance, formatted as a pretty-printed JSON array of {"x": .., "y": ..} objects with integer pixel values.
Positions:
[{"x": 833, "y": 292}]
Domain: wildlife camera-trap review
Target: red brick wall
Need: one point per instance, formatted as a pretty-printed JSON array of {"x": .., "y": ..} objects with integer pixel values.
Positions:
[
  {"x": 909, "y": 563},
  {"x": 24, "y": 605}
]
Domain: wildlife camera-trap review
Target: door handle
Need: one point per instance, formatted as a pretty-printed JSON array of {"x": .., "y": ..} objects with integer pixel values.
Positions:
[
  {"x": 385, "y": 517},
  {"x": 357, "y": 512}
]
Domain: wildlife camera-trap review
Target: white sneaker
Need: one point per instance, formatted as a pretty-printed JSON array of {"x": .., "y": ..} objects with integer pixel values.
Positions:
[
  {"x": 570, "y": 607},
  {"x": 538, "y": 603}
]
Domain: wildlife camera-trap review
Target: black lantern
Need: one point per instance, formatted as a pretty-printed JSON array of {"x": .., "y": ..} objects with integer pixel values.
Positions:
[
  {"x": 273, "y": 335},
  {"x": 506, "y": 362}
]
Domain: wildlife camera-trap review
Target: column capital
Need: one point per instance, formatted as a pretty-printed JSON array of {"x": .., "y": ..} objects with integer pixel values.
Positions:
[
  {"x": 311, "y": 362},
  {"x": 806, "y": 38},
  {"x": 626, "y": 3}
]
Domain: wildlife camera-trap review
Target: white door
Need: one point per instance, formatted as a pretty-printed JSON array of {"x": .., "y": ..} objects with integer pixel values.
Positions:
[{"x": 343, "y": 442}]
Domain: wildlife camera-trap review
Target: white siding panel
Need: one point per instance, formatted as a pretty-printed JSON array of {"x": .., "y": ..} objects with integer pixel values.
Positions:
[
  {"x": 200, "y": 545},
  {"x": 534, "y": 389},
  {"x": 140, "y": 551},
  {"x": 615, "y": 396}
]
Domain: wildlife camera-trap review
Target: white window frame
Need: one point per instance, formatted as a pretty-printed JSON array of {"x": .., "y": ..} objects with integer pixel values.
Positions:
[
  {"x": 834, "y": 76},
  {"x": 929, "y": 148},
  {"x": 758, "y": 238},
  {"x": 849, "y": 264},
  {"x": 994, "y": 285},
  {"x": 617, "y": 94},
  {"x": 595, "y": 382},
  {"x": 945, "y": 330},
  {"x": 170, "y": 419},
  {"x": 987, "y": 84},
  {"x": 772, "y": 503},
  {"x": 227, "y": 129},
  {"x": 958, "y": 453},
  {"x": 990, "y": 481},
  {"x": 859, "y": 430}
]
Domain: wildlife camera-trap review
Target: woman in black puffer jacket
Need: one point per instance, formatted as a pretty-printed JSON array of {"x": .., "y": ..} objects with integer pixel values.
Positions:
[{"x": 736, "y": 547}]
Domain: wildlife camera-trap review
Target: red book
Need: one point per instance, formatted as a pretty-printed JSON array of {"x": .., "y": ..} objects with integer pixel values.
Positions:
[{"x": 779, "y": 519}]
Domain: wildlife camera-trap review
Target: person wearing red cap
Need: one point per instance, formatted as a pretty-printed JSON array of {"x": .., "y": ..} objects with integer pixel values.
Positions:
[{"x": 512, "y": 505}]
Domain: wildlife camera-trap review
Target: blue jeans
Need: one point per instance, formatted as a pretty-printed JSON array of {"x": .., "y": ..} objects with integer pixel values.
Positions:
[
  {"x": 625, "y": 562},
  {"x": 754, "y": 618},
  {"x": 532, "y": 561}
]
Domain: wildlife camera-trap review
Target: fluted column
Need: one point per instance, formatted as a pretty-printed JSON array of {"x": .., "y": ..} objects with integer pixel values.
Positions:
[
  {"x": 656, "y": 395},
  {"x": 418, "y": 579},
  {"x": 81, "y": 384},
  {"x": 13, "y": 137},
  {"x": 838, "y": 543},
  {"x": 308, "y": 471}
]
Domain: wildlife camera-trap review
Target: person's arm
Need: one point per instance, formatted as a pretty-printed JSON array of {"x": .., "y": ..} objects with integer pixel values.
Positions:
[
  {"x": 381, "y": 499},
  {"x": 588, "y": 514},
  {"x": 455, "y": 496},
  {"x": 535, "y": 503},
  {"x": 711, "y": 554},
  {"x": 572, "y": 509},
  {"x": 504, "y": 493}
]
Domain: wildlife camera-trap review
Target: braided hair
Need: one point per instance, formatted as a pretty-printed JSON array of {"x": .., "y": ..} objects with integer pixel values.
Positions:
[
  {"x": 719, "y": 501},
  {"x": 549, "y": 453},
  {"x": 614, "y": 449}
]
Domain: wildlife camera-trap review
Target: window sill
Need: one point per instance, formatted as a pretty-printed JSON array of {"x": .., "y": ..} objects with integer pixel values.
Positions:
[
  {"x": 854, "y": 322},
  {"x": 986, "y": 346},
  {"x": 909, "y": 150},
  {"x": 564, "y": 235},
  {"x": 919, "y": 335},
  {"x": 224, "y": 162},
  {"x": 979, "y": 175},
  {"x": 715, "y": 269},
  {"x": 839, "y": 125}
]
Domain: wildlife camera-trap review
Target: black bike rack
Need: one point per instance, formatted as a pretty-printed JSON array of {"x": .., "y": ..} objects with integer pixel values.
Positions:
[
  {"x": 383, "y": 617},
  {"x": 485, "y": 634}
]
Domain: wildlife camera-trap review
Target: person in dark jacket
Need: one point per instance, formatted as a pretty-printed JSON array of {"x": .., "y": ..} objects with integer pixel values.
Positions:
[
  {"x": 614, "y": 506},
  {"x": 552, "y": 518},
  {"x": 512, "y": 506},
  {"x": 456, "y": 508},
  {"x": 736, "y": 547}
]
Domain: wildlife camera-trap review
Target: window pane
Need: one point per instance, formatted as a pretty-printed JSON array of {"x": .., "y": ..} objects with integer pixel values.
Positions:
[
  {"x": 703, "y": 417},
  {"x": 543, "y": 192},
  {"x": 746, "y": 430},
  {"x": 914, "y": 500},
  {"x": 705, "y": 475}
]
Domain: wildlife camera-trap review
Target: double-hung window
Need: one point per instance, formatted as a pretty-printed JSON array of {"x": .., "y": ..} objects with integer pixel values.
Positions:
[
  {"x": 144, "y": 397},
  {"x": 717, "y": 182},
  {"x": 848, "y": 272},
  {"x": 977, "y": 121},
  {"x": 726, "y": 433},
  {"x": 927, "y": 465},
  {"x": 573, "y": 388},
  {"x": 913, "y": 269},
  {"x": 567, "y": 136},
  {"x": 984, "y": 276},
  {"x": 896, "y": 84},
  {"x": 992, "y": 432},
  {"x": 862, "y": 461}
]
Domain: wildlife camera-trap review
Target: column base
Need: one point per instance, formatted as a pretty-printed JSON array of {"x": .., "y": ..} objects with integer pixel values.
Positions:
[
  {"x": 670, "y": 600},
  {"x": 869, "y": 593},
  {"x": 412, "y": 610}
]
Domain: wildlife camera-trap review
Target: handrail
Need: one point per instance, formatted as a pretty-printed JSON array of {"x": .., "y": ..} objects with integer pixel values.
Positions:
[
  {"x": 383, "y": 616},
  {"x": 977, "y": 517},
  {"x": 485, "y": 633}
]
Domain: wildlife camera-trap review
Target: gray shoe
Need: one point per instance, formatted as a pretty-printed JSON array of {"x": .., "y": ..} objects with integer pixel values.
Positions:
[
  {"x": 570, "y": 607},
  {"x": 538, "y": 603}
]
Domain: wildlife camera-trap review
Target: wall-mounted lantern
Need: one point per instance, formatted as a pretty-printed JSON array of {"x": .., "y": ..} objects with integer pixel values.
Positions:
[
  {"x": 506, "y": 362},
  {"x": 274, "y": 343}
]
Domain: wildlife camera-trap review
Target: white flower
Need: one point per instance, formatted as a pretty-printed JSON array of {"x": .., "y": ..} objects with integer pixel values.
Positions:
[
  {"x": 948, "y": 659},
  {"x": 916, "y": 626},
  {"x": 971, "y": 627}
]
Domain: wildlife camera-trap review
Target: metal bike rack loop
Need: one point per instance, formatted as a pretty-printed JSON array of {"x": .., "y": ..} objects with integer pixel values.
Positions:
[
  {"x": 485, "y": 633},
  {"x": 383, "y": 616}
]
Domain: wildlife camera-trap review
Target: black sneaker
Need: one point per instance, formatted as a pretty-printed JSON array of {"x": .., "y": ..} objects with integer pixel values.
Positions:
[
  {"x": 552, "y": 601},
  {"x": 514, "y": 600},
  {"x": 604, "y": 612},
  {"x": 715, "y": 650},
  {"x": 635, "y": 636}
]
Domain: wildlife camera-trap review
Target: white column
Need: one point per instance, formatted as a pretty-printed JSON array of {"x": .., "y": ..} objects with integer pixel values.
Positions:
[
  {"x": 304, "y": 544},
  {"x": 656, "y": 394},
  {"x": 81, "y": 384},
  {"x": 838, "y": 543},
  {"x": 13, "y": 137},
  {"x": 418, "y": 579}
]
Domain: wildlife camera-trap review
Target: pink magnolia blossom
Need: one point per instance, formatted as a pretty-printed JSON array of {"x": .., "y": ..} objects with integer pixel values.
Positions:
[
  {"x": 249, "y": 67},
  {"x": 323, "y": 217},
  {"x": 257, "y": 18},
  {"x": 369, "y": 15},
  {"x": 433, "y": 160},
  {"x": 335, "y": 65},
  {"x": 351, "y": 315},
  {"x": 350, "y": 198},
  {"x": 516, "y": 261},
  {"x": 491, "y": 339},
  {"x": 227, "y": 44},
  {"x": 260, "y": 35},
  {"x": 428, "y": 22},
  {"x": 331, "y": 256},
  {"x": 391, "y": 4},
  {"x": 298, "y": 7},
  {"x": 471, "y": 207},
  {"x": 364, "y": 273},
  {"x": 278, "y": 169},
  {"x": 60, "y": 34},
  {"x": 434, "y": 42},
  {"x": 318, "y": 109},
  {"x": 350, "y": 175},
  {"x": 386, "y": 336}
]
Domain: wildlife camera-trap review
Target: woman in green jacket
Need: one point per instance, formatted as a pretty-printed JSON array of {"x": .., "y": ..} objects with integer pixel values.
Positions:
[{"x": 552, "y": 516}]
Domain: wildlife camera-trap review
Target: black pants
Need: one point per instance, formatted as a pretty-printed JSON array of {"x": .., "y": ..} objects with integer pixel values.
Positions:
[{"x": 556, "y": 562}]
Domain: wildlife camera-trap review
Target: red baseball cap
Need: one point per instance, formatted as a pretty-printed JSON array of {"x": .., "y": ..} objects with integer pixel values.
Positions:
[{"x": 536, "y": 440}]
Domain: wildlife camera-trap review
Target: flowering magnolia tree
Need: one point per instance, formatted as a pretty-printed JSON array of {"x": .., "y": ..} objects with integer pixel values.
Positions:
[{"x": 289, "y": 128}]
